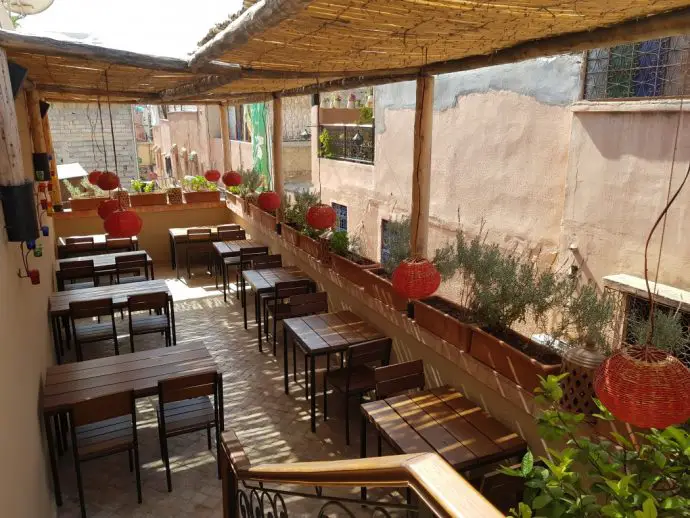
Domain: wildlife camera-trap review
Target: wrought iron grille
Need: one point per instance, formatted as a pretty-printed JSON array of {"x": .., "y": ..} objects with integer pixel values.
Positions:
[
  {"x": 654, "y": 68},
  {"x": 340, "y": 216},
  {"x": 349, "y": 142}
]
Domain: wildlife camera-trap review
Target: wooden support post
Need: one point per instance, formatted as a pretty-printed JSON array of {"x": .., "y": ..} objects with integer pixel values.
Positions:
[
  {"x": 278, "y": 146},
  {"x": 175, "y": 159},
  {"x": 56, "y": 195},
  {"x": 11, "y": 163},
  {"x": 421, "y": 165},
  {"x": 37, "y": 136},
  {"x": 315, "y": 145},
  {"x": 225, "y": 137},
  {"x": 185, "y": 162}
]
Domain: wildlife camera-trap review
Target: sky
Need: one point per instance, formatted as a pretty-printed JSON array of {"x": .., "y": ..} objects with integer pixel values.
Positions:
[{"x": 159, "y": 27}]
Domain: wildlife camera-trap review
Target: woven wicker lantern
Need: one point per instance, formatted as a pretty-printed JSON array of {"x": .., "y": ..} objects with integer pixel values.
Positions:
[
  {"x": 321, "y": 216},
  {"x": 269, "y": 201},
  {"x": 94, "y": 176},
  {"x": 644, "y": 386},
  {"x": 212, "y": 175},
  {"x": 581, "y": 364},
  {"x": 107, "y": 207},
  {"x": 232, "y": 178},
  {"x": 416, "y": 278},
  {"x": 108, "y": 181},
  {"x": 123, "y": 223}
]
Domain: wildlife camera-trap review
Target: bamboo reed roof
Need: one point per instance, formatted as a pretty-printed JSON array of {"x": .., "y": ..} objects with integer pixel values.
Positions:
[{"x": 292, "y": 47}]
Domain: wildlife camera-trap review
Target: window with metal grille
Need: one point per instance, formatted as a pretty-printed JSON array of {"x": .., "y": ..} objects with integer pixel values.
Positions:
[
  {"x": 340, "y": 216},
  {"x": 654, "y": 68}
]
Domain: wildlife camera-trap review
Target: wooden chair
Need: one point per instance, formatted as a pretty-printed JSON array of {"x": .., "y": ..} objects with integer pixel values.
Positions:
[
  {"x": 227, "y": 228},
  {"x": 92, "y": 331},
  {"x": 243, "y": 262},
  {"x": 198, "y": 243},
  {"x": 184, "y": 407},
  {"x": 132, "y": 264},
  {"x": 78, "y": 246},
  {"x": 156, "y": 322},
  {"x": 122, "y": 244},
  {"x": 277, "y": 303},
  {"x": 396, "y": 379},
  {"x": 356, "y": 378},
  {"x": 77, "y": 270},
  {"x": 101, "y": 427},
  {"x": 234, "y": 234}
]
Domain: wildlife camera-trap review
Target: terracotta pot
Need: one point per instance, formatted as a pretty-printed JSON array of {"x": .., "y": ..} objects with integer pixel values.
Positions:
[
  {"x": 86, "y": 203},
  {"x": 290, "y": 234},
  {"x": 202, "y": 196},
  {"x": 509, "y": 361},
  {"x": 148, "y": 199},
  {"x": 354, "y": 272},
  {"x": 317, "y": 248},
  {"x": 445, "y": 326},
  {"x": 382, "y": 289}
]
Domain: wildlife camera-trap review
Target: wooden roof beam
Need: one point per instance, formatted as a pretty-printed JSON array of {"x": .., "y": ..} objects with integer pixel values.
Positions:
[
  {"x": 258, "y": 18},
  {"x": 148, "y": 97}
]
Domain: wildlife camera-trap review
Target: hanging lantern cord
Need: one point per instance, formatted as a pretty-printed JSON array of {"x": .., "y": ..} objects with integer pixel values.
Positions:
[
  {"x": 110, "y": 116},
  {"x": 105, "y": 150}
]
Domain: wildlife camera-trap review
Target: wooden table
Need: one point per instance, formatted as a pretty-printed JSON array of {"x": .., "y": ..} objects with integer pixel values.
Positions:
[
  {"x": 58, "y": 303},
  {"x": 264, "y": 281},
  {"x": 443, "y": 421},
  {"x": 178, "y": 236},
  {"x": 102, "y": 263},
  {"x": 322, "y": 335},
  {"x": 99, "y": 244},
  {"x": 225, "y": 249},
  {"x": 72, "y": 383}
]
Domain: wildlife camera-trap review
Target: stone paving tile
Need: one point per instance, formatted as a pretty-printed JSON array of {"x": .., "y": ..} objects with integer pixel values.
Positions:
[{"x": 272, "y": 427}]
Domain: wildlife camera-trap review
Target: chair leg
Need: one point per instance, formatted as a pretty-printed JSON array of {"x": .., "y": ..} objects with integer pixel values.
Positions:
[
  {"x": 77, "y": 346},
  {"x": 225, "y": 283},
  {"x": 275, "y": 333},
  {"x": 131, "y": 340},
  {"x": 131, "y": 462},
  {"x": 137, "y": 472},
  {"x": 166, "y": 459},
  {"x": 294, "y": 362},
  {"x": 325, "y": 396},
  {"x": 208, "y": 436},
  {"x": 306, "y": 377},
  {"x": 347, "y": 419},
  {"x": 189, "y": 270},
  {"x": 80, "y": 484},
  {"x": 259, "y": 333}
]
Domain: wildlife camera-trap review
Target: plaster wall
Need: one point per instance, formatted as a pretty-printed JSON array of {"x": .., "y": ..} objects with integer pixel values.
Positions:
[
  {"x": 25, "y": 353},
  {"x": 241, "y": 153}
]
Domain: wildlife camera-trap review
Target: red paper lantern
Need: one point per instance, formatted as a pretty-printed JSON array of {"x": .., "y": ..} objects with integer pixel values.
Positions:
[
  {"x": 269, "y": 201},
  {"x": 232, "y": 178},
  {"x": 107, "y": 207},
  {"x": 108, "y": 181},
  {"x": 321, "y": 216},
  {"x": 94, "y": 176},
  {"x": 212, "y": 175},
  {"x": 416, "y": 278},
  {"x": 123, "y": 223},
  {"x": 644, "y": 386}
]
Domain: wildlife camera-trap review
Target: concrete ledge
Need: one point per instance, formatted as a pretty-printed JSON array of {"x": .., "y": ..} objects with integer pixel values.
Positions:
[
  {"x": 75, "y": 214},
  {"x": 642, "y": 105}
]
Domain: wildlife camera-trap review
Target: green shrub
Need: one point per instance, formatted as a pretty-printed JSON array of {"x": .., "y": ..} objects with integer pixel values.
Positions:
[
  {"x": 198, "y": 183},
  {"x": 397, "y": 244},
  {"x": 669, "y": 333}
]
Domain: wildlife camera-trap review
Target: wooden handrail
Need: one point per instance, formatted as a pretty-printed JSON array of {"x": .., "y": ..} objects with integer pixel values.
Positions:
[{"x": 441, "y": 488}]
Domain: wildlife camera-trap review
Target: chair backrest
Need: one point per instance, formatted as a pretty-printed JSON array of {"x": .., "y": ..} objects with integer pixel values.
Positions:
[
  {"x": 147, "y": 301},
  {"x": 373, "y": 351},
  {"x": 102, "y": 408},
  {"x": 399, "y": 378},
  {"x": 267, "y": 261},
  {"x": 125, "y": 264},
  {"x": 247, "y": 255},
  {"x": 287, "y": 289},
  {"x": 198, "y": 234},
  {"x": 308, "y": 304},
  {"x": 229, "y": 226},
  {"x": 91, "y": 308},
  {"x": 85, "y": 240},
  {"x": 119, "y": 243},
  {"x": 231, "y": 235},
  {"x": 78, "y": 249},
  {"x": 188, "y": 387},
  {"x": 76, "y": 270}
]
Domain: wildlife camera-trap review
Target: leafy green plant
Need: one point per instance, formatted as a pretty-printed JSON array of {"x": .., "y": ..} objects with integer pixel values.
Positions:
[
  {"x": 646, "y": 475},
  {"x": 198, "y": 183},
  {"x": 587, "y": 318},
  {"x": 340, "y": 243},
  {"x": 366, "y": 115},
  {"x": 296, "y": 212},
  {"x": 668, "y": 335},
  {"x": 325, "y": 144},
  {"x": 397, "y": 244},
  {"x": 252, "y": 180},
  {"x": 138, "y": 185}
]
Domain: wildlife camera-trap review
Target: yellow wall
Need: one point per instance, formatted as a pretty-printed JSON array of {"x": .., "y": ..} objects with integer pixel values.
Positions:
[{"x": 25, "y": 352}]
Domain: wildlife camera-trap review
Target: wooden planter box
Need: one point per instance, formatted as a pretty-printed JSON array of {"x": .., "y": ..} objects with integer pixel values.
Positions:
[
  {"x": 202, "y": 196},
  {"x": 317, "y": 248},
  {"x": 86, "y": 203},
  {"x": 443, "y": 325},
  {"x": 354, "y": 272},
  {"x": 267, "y": 220},
  {"x": 255, "y": 213},
  {"x": 290, "y": 234},
  {"x": 234, "y": 202},
  {"x": 382, "y": 289},
  {"x": 509, "y": 361},
  {"x": 148, "y": 199}
]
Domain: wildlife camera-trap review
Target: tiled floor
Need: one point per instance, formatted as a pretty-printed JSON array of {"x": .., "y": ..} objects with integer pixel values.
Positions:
[{"x": 273, "y": 427}]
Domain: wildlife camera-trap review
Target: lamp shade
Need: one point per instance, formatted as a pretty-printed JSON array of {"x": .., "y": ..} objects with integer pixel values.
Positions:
[
  {"x": 416, "y": 278},
  {"x": 269, "y": 201},
  {"x": 232, "y": 178},
  {"x": 108, "y": 181},
  {"x": 212, "y": 175},
  {"x": 123, "y": 223},
  {"x": 94, "y": 176},
  {"x": 321, "y": 216},
  {"x": 107, "y": 207}
]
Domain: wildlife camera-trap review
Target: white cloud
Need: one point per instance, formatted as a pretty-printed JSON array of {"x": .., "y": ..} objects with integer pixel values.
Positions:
[{"x": 160, "y": 27}]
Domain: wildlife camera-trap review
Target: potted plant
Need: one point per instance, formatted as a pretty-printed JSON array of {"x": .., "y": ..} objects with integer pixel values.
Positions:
[
  {"x": 252, "y": 181},
  {"x": 315, "y": 243},
  {"x": 346, "y": 260},
  {"x": 295, "y": 216},
  {"x": 84, "y": 196},
  {"x": 641, "y": 475},
  {"x": 351, "y": 100},
  {"x": 146, "y": 194},
  {"x": 378, "y": 280},
  {"x": 198, "y": 190},
  {"x": 338, "y": 101},
  {"x": 325, "y": 144}
]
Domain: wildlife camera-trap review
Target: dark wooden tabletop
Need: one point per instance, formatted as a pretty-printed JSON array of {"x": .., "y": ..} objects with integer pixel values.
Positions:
[
  {"x": 442, "y": 420},
  {"x": 229, "y": 248},
  {"x": 102, "y": 261},
  {"x": 261, "y": 280},
  {"x": 98, "y": 240},
  {"x": 180, "y": 234},
  {"x": 331, "y": 331},
  {"x": 68, "y": 384},
  {"x": 58, "y": 303}
]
